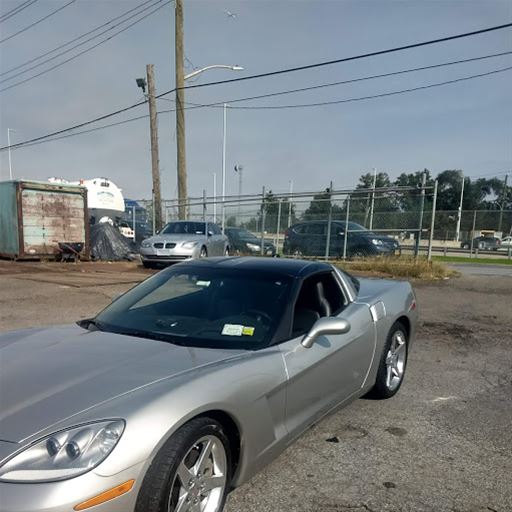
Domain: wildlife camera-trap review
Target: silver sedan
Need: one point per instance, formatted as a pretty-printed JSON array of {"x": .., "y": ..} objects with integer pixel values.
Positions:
[
  {"x": 191, "y": 382},
  {"x": 182, "y": 240}
]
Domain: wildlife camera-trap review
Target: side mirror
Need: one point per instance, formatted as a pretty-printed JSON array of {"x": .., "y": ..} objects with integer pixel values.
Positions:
[
  {"x": 210, "y": 233},
  {"x": 325, "y": 325}
]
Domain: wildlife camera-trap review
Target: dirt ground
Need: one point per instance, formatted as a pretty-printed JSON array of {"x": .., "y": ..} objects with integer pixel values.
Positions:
[{"x": 443, "y": 443}]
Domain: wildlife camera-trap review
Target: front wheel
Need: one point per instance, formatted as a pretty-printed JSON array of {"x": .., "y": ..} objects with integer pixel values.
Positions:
[
  {"x": 392, "y": 365},
  {"x": 190, "y": 473},
  {"x": 203, "y": 253}
]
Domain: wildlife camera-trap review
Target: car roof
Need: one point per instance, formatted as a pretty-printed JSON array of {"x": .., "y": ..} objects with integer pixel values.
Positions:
[{"x": 285, "y": 266}]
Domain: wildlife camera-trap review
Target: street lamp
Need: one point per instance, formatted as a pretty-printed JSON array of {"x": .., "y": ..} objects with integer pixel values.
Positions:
[
  {"x": 180, "y": 126},
  {"x": 213, "y": 66}
]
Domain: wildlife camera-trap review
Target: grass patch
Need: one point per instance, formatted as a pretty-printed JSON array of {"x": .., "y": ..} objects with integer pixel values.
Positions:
[
  {"x": 474, "y": 261},
  {"x": 406, "y": 267}
]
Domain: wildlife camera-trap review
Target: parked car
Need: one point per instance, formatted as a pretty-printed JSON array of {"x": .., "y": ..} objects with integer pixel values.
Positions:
[
  {"x": 182, "y": 240},
  {"x": 506, "y": 243},
  {"x": 242, "y": 241},
  {"x": 188, "y": 384},
  {"x": 126, "y": 230},
  {"x": 486, "y": 243},
  {"x": 310, "y": 239}
]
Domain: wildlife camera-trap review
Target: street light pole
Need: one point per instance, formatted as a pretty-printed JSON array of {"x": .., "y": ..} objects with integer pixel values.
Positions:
[{"x": 224, "y": 166}]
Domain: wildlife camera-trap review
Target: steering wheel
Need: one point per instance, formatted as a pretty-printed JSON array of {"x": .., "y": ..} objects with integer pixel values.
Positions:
[{"x": 258, "y": 312}]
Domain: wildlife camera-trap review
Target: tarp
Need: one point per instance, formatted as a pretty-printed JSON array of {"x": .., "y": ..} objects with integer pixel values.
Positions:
[{"x": 108, "y": 244}]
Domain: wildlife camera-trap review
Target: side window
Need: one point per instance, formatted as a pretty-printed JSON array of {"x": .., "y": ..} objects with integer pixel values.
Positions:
[
  {"x": 319, "y": 296},
  {"x": 337, "y": 229},
  {"x": 216, "y": 230},
  {"x": 316, "y": 229},
  {"x": 300, "y": 229}
]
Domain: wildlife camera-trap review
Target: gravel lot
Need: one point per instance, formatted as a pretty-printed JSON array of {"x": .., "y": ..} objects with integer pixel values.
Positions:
[{"x": 443, "y": 443}]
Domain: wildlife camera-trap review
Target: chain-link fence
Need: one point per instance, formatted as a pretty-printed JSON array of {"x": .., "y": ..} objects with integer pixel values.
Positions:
[
  {"x": 395, "y": 220},
  {"x": 314, "y": 224}
]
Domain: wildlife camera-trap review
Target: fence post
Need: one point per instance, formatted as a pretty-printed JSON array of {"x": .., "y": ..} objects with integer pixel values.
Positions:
[
  {"x": 472, "y": 235},
  {"x": 329, "y": 222},
  {"x": 263, "y": 221},
  {"x": 345, "y": 238},
  {"x": 278, "y": 223},
  {"x": 422, "y": 206},
  {"x": 133, "y": 223},
  {"x": 432, "y": 223}
]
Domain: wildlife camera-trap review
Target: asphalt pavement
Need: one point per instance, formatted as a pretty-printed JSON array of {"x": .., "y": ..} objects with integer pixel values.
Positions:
[{"x": 480, "y": 269}]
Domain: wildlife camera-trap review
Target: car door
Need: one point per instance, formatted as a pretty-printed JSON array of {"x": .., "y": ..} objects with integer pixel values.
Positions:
[
  {"x": 316, "y": 238},
  {"x": 333, "y": 369}
]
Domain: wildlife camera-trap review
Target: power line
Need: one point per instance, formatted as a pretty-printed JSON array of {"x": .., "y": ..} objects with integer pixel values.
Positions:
[
  {"x": 95, "y": 29},
  {"x": 353, "y": 80},
  {"x": 361, "y": 98},
  {"x": 193, "y": 106},
  {"x": 37, "y": 22},
  {"x": 355, "y": 57},
  {"x": 273, "y": 73},
  {"x": 87, "y": 49},
  {"x": 16, "y": 10}
]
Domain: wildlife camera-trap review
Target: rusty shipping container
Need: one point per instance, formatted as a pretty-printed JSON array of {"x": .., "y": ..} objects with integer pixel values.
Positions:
[{"x": 36, "y": 216}]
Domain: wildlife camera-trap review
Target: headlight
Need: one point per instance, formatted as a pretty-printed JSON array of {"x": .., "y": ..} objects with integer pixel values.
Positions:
[
  {"x": 253, "y": 247},
  {"x": 145, "y": 244},
  {"x": 189, "y": 245},
  {"x": 65, "y": 454},
  {"x": 376, "y": 241}
]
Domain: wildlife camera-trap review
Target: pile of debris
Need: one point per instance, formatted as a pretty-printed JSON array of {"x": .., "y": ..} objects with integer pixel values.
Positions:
[{"x": 108, "y": 244}]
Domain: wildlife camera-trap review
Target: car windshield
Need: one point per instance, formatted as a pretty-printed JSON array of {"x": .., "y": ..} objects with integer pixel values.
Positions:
[
  {"x": 201, "y": 307},
  {"x": 182, "y": 228}
]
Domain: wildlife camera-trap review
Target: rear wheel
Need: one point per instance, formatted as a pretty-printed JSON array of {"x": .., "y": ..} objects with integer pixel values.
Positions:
[
  {"x": 226, "y": 251},
  {"x": 203, "y": 253},
  {"x": 360, "y": 253},
  {"x": 190, "y": 473},
  {"x": 392, "y": 364}
]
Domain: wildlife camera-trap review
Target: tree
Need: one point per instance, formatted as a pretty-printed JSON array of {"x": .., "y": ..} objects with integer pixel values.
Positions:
[
  {"x": 320, "y": 206},
  {"x": 270, "y": 205}
]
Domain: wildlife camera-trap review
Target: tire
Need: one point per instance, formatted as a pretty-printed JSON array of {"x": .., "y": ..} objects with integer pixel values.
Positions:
[
  {"x": 162, "y": 488},
  {"x": 385, "y": 388},
  {"x": 359, "y": 253},
  {"x": 226, "y": 252},
  {"x": 147, "y": 264},
  {"x": 203, "y": 253}
]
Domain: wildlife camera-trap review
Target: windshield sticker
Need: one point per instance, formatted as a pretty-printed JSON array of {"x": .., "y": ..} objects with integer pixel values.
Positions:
[
  {"x": 248, "y": 331},
  {"x": 232, "y": 330}
]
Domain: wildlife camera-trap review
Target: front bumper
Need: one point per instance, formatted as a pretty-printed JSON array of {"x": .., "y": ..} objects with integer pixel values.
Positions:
[
  {"x": 151, "y": 254},
  {"x": 65, "y": 495}
]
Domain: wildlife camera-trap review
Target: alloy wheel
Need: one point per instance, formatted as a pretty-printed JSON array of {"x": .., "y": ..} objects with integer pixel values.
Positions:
[
  {"x": 200, "y": 479},
  {"x": 395, "y": 360}
]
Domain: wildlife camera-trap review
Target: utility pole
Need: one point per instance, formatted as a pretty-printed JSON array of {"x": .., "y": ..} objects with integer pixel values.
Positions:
[
  {"x": 459, "y": 215},
  {"x": 180, "y": 113},
  {"x": 9, "y": 130},
  {"x": 155, "y": 161},
  {"x": 503, "y": 202}
]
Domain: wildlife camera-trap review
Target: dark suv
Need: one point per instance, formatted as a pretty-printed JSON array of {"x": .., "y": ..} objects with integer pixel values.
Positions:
[{"x": 310, "y": 238}]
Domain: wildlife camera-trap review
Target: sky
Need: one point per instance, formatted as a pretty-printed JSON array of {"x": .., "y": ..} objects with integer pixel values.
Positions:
[{"x": 467, "y": 125}]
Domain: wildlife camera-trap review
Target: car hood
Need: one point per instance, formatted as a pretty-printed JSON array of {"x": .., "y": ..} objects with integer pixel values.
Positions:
[
  {"x": 176, "y": 237},
  {"x": 49, "y": 375}
]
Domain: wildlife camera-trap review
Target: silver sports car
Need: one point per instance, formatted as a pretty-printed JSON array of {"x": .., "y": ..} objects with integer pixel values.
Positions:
[
  {"x": 187, "y": 385},
  {"x": 182, "y": 240}
]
